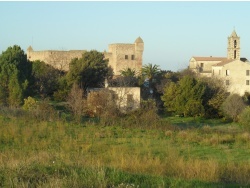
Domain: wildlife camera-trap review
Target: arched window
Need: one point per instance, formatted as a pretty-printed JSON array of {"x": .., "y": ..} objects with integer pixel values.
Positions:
[{"x": 235, "y": 43}]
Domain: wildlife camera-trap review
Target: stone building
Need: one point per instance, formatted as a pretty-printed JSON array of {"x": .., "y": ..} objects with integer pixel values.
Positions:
[
  {"x": 123, "y": 56},
  {"x": 120, "y": 56},
  {"x": 58, "y": 59},
  {"x": 233, "y": 70}
]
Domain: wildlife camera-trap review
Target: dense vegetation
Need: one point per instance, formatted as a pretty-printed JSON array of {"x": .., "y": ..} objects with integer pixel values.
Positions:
[{"x": 52, "y": 136}]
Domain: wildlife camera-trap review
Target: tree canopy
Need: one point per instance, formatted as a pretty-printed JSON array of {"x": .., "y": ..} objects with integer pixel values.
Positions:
[
  {"x": 88, "y": 71},
  {"x": 45, "y": 78},
  {"x": 193, "y": 96},
  {"x": 15, "y": 72}
]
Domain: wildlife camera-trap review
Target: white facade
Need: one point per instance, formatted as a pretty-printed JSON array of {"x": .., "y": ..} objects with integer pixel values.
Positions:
[
  {"x": 233, "y": 70},
  {"x": 235, "y": 74}
]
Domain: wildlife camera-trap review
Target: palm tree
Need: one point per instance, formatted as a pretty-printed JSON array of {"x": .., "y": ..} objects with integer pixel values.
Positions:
[
  {"x": 150, "y": 72},
  {"x": 129, "y": 77},
  {"x": 128, "y": 72}
]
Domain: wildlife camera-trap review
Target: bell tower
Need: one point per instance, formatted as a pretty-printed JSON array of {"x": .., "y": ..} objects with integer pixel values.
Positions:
[{"x": 233, "y": 46}]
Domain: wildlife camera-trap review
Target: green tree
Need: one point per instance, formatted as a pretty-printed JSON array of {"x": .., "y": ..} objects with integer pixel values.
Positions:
[
  {"x": 15, "y": 72},
  {"x": 149, "y": 72},
  {"x": 215, "y": 94},
  {"x": 45, "y": 78},
  {"x": 88, "y": 71},
  {"x": 185, "y": 97},
  {"x": 184, "y": 88}
]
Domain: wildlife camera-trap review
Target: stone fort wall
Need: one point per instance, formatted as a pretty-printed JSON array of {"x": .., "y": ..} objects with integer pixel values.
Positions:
[
  {"x": 58, "y": 59},
  {"x": 120, "y": 56}
]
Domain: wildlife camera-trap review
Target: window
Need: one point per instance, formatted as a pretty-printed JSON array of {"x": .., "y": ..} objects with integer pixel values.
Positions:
[
  {"x": 247, "y": 82},
  {"x": 227, "y": 72},
  {"x": 247, "y": 72},
  {"x": 202, "y": 65},
  {"x": 235, "y": 43},
  {"x": 227, "y": 82},
  {"x": 132, "y": 57},
  {"x": 234, "y": 54},
  {"x": 126, "y": 56}
]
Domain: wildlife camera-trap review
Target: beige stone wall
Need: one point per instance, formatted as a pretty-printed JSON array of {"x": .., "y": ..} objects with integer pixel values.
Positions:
[
  {"x": 197, "y": 65},
  {"x": 122, "y": 97},
  {"x": 235, "y": 73},
  {"x": 58, "y": 59},
  {"x": 116, "y": 55}
]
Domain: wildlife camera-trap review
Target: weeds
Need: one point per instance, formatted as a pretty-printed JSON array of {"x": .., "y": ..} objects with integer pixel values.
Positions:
[{"x": 35, "y": 153}]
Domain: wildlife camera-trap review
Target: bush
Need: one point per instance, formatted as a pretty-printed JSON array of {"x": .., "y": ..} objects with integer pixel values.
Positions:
[
  {"x": 101, "y": 104},
  {"x": 244, "y": 118},
  {"x": 29, "y": 104},
  {"x": 233, "y": 106},
  {"x": 145, "y": 117}
]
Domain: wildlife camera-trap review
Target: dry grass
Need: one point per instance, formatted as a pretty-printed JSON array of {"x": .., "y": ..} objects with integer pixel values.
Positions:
[{"x": 166, "y": 153}]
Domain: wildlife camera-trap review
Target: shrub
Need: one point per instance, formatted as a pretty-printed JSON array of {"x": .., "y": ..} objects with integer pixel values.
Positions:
[
  {"x": 233, "y": 106},
  {"x": 101, "y": 104},
  {"x": 29, "y": 104},
  {"x": 45, "y": 111},
  {"x": 244, "y": 118}
]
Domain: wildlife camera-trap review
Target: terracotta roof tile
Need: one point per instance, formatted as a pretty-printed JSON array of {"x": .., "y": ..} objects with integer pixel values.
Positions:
[
  {"x": 222, "y": 63},
  {"x": 210, "y": 58}
]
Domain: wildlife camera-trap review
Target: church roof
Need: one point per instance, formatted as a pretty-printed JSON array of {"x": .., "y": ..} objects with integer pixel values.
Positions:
[
  {"x": 30, "y": 48},
  {"x": 139, "y": 40},
  {"x": 234, "y": 34},
  {"x": 210, "y": 58},
  {"x": 224, "y": 62}
]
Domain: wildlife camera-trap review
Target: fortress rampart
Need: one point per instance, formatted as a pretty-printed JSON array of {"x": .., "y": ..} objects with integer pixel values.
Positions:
[
  {"x": 120, "y": 56},
  {"x": 58, "y": 59}
]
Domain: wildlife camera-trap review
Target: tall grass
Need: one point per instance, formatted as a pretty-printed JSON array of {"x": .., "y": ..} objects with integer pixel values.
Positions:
[{"x": 63, "y": 154}]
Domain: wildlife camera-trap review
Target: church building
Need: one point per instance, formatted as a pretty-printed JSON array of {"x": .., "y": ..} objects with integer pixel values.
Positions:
[{"x": 233, "y": 70}]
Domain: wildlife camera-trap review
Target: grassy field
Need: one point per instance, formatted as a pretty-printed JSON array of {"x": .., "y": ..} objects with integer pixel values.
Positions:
[{"x": 180, "y": 152}]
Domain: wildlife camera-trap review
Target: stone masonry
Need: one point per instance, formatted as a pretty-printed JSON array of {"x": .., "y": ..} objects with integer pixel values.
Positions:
[{"x": 120, "y": 56}]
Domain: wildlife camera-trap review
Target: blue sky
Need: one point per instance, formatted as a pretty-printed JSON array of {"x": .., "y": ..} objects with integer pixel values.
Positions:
[{"x": 172, "y": 32}]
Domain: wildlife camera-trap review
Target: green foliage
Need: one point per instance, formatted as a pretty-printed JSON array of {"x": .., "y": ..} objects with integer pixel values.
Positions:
[
  {"x": 88, "y": 71},
  {"x": 128, "y": 78},
  {"x": 150, "y": 71},
  {"x": 30, "y": 104},
  {"x": 244, "y": 117},
  {"x": 45, "y": 78},
  {"x": 63, "y": 89},
  {"x": 193, "y": 96},
  {"x": 15, "y": 72},
  {"x": 194, "y": 108},
  {"x": 128, "y": 72},
  {"x": 233, "y": 106},
  {"x": 64, "y": 154},
  {"x": 215, "y": 95},
  {"x": 185, "y": 97}
]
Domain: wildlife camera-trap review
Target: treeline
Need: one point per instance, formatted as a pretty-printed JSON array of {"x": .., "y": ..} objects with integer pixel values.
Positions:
[
  {"x": 175, "y": 93},
  {"x": 20, "y": 78}
]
